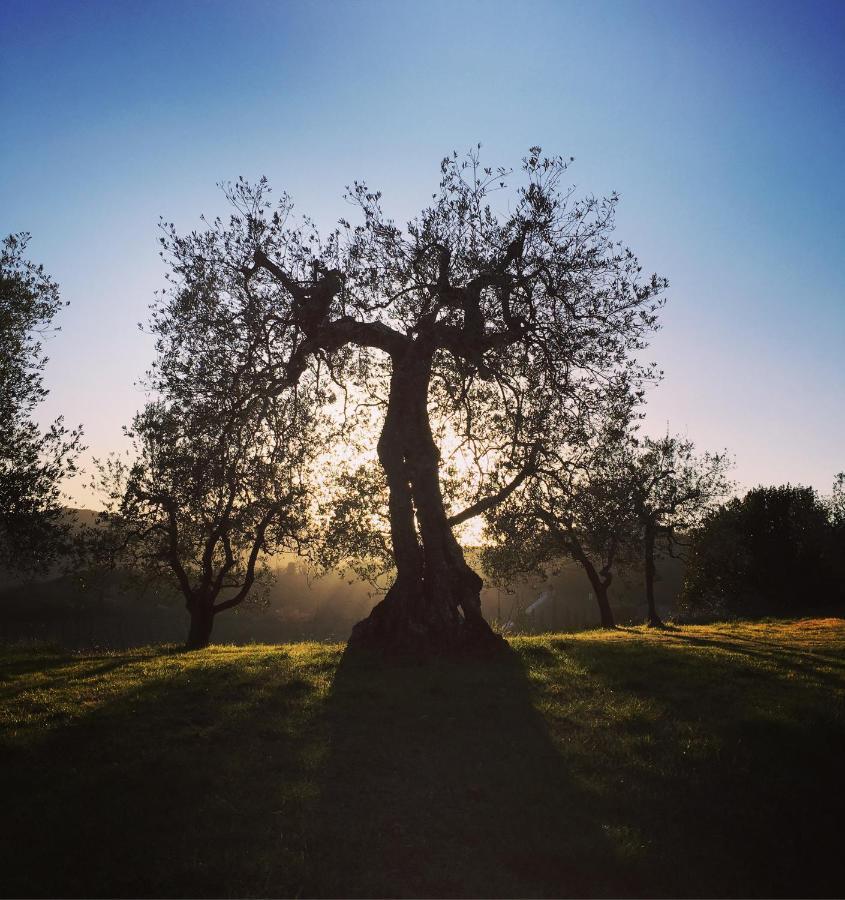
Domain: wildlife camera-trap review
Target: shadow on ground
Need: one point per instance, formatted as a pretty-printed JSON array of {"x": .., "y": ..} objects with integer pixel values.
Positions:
[
  {"x": 723, "y": 760},
  {"x": 442, "y": 781},
  {"x": 616, "y": 766},
  {"x": 191, "y": 778}
]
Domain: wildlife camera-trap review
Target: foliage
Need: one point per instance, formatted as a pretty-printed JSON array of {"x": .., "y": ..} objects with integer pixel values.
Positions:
[
  {"x": 577, "y": 504},
  {"x": 768, "y": 552},
  {"x": 836, "y": 501},
  {"x": 216, "y": 481},
  {"x": 674, "y": 489},
  {"x": 490, "y": 315},
  {"x": 836, "y": 551},
  {"x": 604, "y": 497},
  {"x": 33, "y": 525}
]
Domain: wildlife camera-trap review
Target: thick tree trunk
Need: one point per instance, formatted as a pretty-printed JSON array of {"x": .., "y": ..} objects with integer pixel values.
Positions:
[
  {"x": 434, "y": 606},
  {"x": 653, "y": 618},
  {"x": 202, "y": 621}
]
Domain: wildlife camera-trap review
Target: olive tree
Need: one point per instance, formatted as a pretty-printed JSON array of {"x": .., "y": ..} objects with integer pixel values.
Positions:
[
  {"x": 577, "y": 505},
  {"x": 673, "y": 491},
  {"x": 491, "y": 310},
  {"x": 217, "y": 479},
  {"x": 204, "y": 513}
]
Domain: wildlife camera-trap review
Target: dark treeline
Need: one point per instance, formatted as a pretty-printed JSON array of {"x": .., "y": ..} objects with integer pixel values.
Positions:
[{"x": 775, "y": 551}]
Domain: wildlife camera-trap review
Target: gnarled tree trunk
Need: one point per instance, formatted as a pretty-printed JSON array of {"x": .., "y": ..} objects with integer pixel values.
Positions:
[{"x": 434, "y": 606}]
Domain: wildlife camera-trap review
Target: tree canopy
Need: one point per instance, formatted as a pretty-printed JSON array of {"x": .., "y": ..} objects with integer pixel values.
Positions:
[
  {"x": 217, "y": 479},
  {"x": 673, "y": 489},
  {"x": 498, "y": 310},
  {"x": 773, "y": 551},
  {"x": 33, "y": 463}
]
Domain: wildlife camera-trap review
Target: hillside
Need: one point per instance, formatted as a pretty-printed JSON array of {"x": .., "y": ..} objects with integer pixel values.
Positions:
[{"x": 701, "y": 761}]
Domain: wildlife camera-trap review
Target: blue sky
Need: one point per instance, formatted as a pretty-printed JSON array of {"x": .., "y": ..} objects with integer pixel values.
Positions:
[{"x": 721, "y": 125}]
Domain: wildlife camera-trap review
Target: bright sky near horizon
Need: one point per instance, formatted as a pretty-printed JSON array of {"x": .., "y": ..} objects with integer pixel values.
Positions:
[{"x": 721, "y": 125}]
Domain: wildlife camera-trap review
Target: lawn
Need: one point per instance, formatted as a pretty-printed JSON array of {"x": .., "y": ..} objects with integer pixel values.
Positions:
[{"x": 698, "y": 761}]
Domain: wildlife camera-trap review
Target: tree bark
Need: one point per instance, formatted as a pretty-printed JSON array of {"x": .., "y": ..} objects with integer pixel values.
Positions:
[
  {"x": 606, "y": 613},
  {"x": 653, "y": 618},
  {"x": 600, "y": 586},
  {"x": 599, "y": 583},
  {"x": 202, "y": 621},
  {"x": 434, "y": 605}
]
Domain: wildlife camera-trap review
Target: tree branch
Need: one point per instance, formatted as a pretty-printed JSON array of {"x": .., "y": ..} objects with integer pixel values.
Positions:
[{"x": 495, "y": 499}]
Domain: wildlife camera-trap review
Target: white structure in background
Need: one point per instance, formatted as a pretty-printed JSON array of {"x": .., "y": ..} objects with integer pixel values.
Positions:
[{"x": 538, "y": 603}]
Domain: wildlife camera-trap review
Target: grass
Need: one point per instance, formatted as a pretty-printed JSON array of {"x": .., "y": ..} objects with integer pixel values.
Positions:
[{"x": 699, "y": 761}]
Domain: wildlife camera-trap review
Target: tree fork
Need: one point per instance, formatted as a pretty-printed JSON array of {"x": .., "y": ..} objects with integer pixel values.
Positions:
[
  {"x": 599, "y": 584},
  {"x": 434, "y": 606}
]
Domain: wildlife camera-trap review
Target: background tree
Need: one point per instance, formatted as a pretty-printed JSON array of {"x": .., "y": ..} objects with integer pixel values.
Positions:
[
  {"x": 204, "y": 512},
  {"x": 216, "y": 483},
  {"x": 837, "y": 500},
  {"x": 836, "y": 506},
  {"x": 766, "y": 553},
  {"x": 492, "y": 318},
  {"x": 577, "y": 505},
  {"x": 673, "y": 489},
  {"x": 34, "y": 525}
]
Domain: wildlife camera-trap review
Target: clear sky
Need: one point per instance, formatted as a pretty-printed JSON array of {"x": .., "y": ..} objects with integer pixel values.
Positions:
[{"x": 721, "y": 125}]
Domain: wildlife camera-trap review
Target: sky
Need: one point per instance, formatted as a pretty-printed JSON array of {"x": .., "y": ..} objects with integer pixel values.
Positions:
[{"x": 721, "y": 126}]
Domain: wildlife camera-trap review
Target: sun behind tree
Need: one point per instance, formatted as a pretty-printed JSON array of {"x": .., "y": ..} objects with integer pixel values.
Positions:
[{"x": 500, "y": 309}]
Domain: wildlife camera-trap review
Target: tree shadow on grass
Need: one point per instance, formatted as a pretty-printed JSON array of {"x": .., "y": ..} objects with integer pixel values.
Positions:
[
  {"x": 800, "y": 660},
  {"x": 442, "y": 781},
  {"x": 193, "y": 783},
  {"x": 731, "y": 770},
  {"x": 575, "y": 767},
  {"x": 250, "y": 776}
]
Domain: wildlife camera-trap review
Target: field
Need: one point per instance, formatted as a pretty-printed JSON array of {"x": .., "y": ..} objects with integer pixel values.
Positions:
[{"x": 697, "y": 761}]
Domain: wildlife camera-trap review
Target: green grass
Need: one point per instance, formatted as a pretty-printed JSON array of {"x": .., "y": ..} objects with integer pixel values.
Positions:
[{"x": 703, "y": 761}]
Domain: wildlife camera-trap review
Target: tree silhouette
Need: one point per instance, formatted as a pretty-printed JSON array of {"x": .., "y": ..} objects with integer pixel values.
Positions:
[
  {"x": 673, "y": 490},
  {"x": 33, "y": 463},
  {"x": 768, "y": 552},
  {"x": 499, "y": 310},
  {"x": 216, "y": 483},
  {"x": 577, "y": 505}
]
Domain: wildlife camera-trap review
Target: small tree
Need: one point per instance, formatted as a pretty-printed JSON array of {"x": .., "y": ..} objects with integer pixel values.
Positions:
[
  {"x": 33, "y": 463},
  {"x": 672, "y": 491},
  {"x": 203, "y": 510},
  {"x": 216, "y": 481},
  {"x": 836, "y": 544},
  {"x": 836, "y": 501},
  {"x": 577, "y": 505}
]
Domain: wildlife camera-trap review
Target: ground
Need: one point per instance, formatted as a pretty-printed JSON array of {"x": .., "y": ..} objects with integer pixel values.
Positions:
[{"x": 703, "y": 761}]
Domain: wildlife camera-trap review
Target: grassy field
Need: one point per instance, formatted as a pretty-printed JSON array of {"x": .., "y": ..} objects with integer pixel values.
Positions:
[{"x": 703, "y": 761}]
